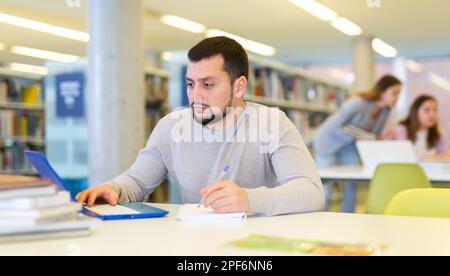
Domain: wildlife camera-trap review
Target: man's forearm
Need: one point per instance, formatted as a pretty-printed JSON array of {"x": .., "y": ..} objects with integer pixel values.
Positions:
[{"x": 297, "y": 196}]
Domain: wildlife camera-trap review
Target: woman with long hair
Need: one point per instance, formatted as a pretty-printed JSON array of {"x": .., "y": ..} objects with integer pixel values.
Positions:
[
  {"x": 422, "y": 128},
  {"x": 369, "y": 111}
]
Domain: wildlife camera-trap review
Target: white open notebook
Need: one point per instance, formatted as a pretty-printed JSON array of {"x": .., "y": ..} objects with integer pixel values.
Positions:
[{"x": 191, "y": 212}]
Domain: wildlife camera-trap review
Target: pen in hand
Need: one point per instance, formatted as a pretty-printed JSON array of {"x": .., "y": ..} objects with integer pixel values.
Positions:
[{"x": 221, "y": 176}]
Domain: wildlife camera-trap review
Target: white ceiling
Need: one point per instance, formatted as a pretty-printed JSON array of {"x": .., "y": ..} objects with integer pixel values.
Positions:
[{"x": 416, "y": 28}]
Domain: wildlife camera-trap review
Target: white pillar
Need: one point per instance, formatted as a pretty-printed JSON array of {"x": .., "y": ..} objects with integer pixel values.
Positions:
[
  {"x": 400, "y": 70},
  {"x": 116, "y": 106},
  {"x": 363, "y": 63}
]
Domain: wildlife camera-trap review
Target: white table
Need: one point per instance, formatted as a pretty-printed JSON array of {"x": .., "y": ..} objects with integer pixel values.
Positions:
[
  {"x": 362, "y": 174},
  {"x": 167, "y": 236}
]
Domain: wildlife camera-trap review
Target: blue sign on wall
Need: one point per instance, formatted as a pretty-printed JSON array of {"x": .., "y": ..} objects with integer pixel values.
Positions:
[{"x": 70, "y": 95}]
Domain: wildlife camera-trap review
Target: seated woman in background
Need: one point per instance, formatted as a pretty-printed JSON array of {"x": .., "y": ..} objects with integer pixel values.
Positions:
[{"x": 422, "y": 128}]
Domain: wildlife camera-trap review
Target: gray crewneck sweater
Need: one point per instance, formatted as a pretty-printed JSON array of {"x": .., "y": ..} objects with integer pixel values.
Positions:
[{"x": 265, "y": 152}]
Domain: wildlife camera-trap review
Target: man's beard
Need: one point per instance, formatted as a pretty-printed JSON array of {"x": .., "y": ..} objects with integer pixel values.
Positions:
[{"x": 215, "y": 117}]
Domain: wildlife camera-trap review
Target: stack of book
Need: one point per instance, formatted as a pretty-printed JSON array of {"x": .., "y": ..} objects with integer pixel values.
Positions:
[{"x": 33, "y": 209}]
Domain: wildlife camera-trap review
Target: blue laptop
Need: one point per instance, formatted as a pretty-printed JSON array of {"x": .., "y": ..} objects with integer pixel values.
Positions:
[{"x": 104, "y": 212}]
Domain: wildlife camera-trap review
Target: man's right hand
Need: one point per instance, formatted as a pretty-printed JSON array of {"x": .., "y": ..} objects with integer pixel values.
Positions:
[{"x": 106, "y": 193}]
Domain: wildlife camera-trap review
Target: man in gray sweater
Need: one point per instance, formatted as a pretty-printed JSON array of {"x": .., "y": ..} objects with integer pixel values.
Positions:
[{"x": 233, "y": 155}]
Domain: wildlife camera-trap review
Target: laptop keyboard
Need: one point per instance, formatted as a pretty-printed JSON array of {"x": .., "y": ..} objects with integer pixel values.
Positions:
[{"x": 108, "y": 210}]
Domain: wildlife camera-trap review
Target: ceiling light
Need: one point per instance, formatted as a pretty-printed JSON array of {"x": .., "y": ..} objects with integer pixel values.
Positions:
[
  {"x": 346, "y": 26},
  {"x": 2, "y": 46},
  {"x": 42, "y": 54},
  {"x": 413, "y": 66},
  {"x": 342, "y": 75},
  {"x": 250, "y": 45},
  {"x": 383, "y": 48},
  {"x": 26, "y": 68},
  {"x": 167, "y": 56},
  {"x": 44, "y": 27},
  {"x": 439, "y": 81},
  {"x": 316, "y": 9},
  {"x": 183, "y": 24}
]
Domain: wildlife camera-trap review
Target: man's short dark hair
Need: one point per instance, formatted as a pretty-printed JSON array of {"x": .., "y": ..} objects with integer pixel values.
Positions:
[{"x": 234, "y": 56}]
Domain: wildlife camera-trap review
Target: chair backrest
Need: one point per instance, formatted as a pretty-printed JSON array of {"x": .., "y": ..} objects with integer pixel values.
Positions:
[
  {"x": 389, "y": 180},
  {"x": 434, "y": 203}
]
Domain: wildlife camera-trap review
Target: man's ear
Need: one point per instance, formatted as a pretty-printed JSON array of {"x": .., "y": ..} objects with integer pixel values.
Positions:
[{"x": 240, "y": 86}]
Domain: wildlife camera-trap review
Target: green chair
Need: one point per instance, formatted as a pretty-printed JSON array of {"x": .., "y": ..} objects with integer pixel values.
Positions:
[
  {"x": 434, "y": 203},
  {"x": 389, "y": 180}
]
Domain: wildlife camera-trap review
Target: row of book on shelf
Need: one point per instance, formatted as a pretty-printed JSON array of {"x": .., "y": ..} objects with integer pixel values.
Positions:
[
  {"x": 21, "y": 123},
  {"x": 16, "y": 121},
  {"x": 273, "y": 84},
  {"x": 12, "y": 159},
  {"x": 157, "y": 94},
  {"x": 33, "y": 209},
  {"x": 21, "y": 128},
  {"x": 276, "y": 85},
  {"x": 306, "y": 122},
  {"x": 157, "y": 106},
  {"x": 20, "y": 91}
]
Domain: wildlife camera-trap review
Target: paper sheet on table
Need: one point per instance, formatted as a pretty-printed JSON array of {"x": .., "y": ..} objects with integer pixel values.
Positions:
[{"x": 191, "y": 212}]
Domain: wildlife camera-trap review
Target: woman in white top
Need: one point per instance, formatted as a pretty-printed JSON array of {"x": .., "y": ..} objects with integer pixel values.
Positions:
[{"x": 422, "y": 128}]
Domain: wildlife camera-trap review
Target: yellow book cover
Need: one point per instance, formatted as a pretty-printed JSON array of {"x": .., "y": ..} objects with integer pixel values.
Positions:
[
  {"x": 24, "y": 126},
  {"x": 31, "y": 95}
]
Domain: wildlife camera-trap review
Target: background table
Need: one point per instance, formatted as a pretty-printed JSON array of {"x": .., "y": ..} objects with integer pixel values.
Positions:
[{"x": 362, "y": 174}]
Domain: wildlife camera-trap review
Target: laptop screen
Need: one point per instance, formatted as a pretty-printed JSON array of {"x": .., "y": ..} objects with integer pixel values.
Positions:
[
  {"x": 41, "y": 164},
  {"x": 374, "y": 153}
]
